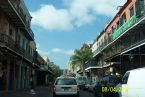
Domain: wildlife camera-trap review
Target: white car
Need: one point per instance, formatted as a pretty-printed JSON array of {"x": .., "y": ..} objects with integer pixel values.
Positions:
[
  {"x": 132, "y": 84},
  {"x": 66, "y": 86}
]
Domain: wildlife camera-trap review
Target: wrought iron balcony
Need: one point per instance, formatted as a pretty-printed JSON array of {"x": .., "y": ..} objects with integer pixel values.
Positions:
[
  {"x": 133, "y": 37},
  {"x": 10, "y": 44},
  {"x": 91, "y": 65},
  {"x": 16, "y": 14},
  {"x": 97, "y": 51}
]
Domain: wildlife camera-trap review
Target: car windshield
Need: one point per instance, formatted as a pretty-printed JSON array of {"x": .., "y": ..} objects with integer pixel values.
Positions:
[{"x": 66, "y": 81}]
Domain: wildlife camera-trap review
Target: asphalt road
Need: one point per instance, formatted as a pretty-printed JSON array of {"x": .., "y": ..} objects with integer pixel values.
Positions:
[
  {"x": 40, "y": 92},
  {"x": 82, "y": 94}
]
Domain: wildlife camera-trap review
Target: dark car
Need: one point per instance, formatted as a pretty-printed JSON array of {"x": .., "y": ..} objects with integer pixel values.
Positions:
[
  {"x": 106, "y": 86},
  {"x": 82, "y": 81}
]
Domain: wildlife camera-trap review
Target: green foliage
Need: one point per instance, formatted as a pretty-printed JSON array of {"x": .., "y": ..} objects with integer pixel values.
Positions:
[
  {"x": 80, "y": 57},
  {"x": 55, "y": 69}
]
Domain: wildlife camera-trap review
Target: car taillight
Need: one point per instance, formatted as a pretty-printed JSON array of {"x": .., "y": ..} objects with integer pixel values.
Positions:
[
  {"x": 78, "y": 88},
  {"x": 53, "y": 88}
]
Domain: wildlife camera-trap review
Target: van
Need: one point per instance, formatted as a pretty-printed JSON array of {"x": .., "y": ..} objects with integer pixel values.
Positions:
[
  {"x": 65, "y": 86},
  {"x": 132, "y": 84},
  {"x": 82, "y": 81}
]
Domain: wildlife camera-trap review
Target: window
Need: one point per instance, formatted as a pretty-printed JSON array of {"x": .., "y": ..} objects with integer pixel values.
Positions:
[
  {"x": 139, "y": 8},
  {"x": 109, "y": 40},
  {"x": 114, "y": 28},
  {"x": 125, "y": 78},
  {"x": 105, "y": 42},
  {"x": 118, "y": 25},
  {"x": 18, "y": 39},
  {"x": 66, "y": 81},
  {"x": 122, "y": 19},
  {"x": 10, "y": 32},
  {"x": 131, "y": 11},
  {"x": 23, "y": 42}
]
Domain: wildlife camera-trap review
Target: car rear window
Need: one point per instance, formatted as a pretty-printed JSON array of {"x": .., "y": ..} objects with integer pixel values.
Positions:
[
  {"x": 66, "y": 81},
  {"x": 84, "y": 79}
]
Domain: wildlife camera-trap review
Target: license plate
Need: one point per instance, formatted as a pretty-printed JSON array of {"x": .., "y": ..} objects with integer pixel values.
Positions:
[{"x": 66, "y": 89}]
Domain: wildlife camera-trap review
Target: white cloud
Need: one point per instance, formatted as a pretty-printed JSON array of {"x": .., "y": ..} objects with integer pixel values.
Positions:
[
  {"x": 56, "y": 50},
  {"x": 37, "y": 45},
  {"x": 62, "y": 51},
  {"x": 75, "y": 14},
  {"x": 43, "y": 52},
  {"x": 48, "y": 17},
  {"x": 107, "y": 7},
  {"x": 90, "y": 42}
]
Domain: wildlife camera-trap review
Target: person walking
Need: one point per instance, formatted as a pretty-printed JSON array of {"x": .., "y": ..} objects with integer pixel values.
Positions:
[{"x": 32, "y": 86}]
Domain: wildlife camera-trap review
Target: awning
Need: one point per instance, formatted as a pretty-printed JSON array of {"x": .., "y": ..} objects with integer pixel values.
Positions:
[
  {"x": 45, "y": 70},
  {"x": 93, "y": 67}
]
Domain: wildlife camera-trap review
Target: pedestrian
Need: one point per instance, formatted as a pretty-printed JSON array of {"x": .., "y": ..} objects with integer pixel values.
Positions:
[{"x": 32, "y": 86}]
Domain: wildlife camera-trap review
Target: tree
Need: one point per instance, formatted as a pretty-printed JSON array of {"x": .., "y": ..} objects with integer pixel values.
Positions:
[
  {"x": 81, "y": 56},
  {"x": 55, "y": 69}
]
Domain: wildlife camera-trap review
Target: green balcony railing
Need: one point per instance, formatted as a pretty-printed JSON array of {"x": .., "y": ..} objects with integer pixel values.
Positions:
[{"x": 124, "y": 27}]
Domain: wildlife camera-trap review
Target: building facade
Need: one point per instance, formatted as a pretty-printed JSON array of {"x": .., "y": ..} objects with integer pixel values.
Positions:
[
  {"x": 17, "y": 45},
  {"x": 122, "y": 45}
]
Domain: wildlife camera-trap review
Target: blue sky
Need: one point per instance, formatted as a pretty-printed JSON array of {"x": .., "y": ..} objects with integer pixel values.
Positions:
[{"x": 61, "y": 26}]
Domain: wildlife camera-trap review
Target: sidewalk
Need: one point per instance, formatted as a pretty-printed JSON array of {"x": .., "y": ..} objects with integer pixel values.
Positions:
[{"x": 40, "y": 92}]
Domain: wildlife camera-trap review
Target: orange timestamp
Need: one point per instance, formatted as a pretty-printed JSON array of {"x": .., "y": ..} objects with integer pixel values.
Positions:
[{"x": 114, "y": 89}]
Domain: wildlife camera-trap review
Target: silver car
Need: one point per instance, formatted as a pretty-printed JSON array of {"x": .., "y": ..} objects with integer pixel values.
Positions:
[{"x": 65, "y": 86}]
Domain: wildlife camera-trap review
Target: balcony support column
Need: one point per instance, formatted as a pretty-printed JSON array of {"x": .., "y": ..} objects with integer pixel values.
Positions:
[{"x": 19, "y": 73}]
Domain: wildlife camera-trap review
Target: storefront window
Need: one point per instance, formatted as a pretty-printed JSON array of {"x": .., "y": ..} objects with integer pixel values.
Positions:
[{"x": 122, "y": 19}]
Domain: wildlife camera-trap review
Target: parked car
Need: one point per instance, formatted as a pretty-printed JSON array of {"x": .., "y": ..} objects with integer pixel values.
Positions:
[
  {"x": 106, "y": 86},
  {"x": 132, "y": 84},
  {"x": 87, "y": 85},
  {"x": 92, "y": 86},
  {"x": 65, "y": 86},
  {"x": 82, "y": 81}
]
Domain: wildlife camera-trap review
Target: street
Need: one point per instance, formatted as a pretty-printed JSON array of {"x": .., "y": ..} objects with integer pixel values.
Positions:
[{"x": 40, "y": 92}]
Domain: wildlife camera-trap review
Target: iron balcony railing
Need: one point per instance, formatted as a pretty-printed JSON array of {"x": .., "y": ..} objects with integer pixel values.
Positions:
[
  {"x": 115, "y": 47},
  {"x": 100, "y": 48},
  {"x": 22, "y": 16},
  {"x": 19, "y": 10},
  {"x": 134, "y": 37},
  {"x": 8, "y": 42},
  {"x": 17, "y": 15},
  {"x": 93, "y": 64},
  {"x": 89, "y": 63}
]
